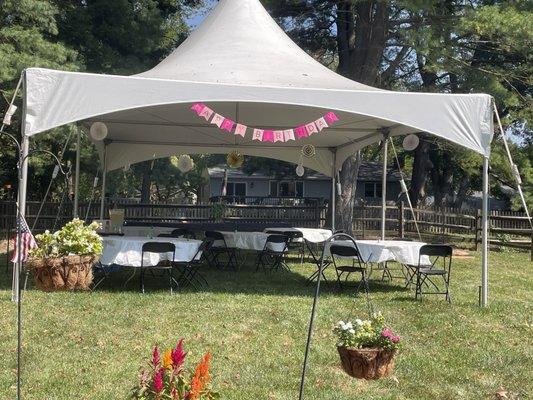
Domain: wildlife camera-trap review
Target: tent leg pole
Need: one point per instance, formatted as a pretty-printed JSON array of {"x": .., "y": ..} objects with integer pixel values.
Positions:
[
  {"x": 485, "y": 235},
  {"x": 310, "y": 330},
  {"x": 104, "y": 176},
  {"x": 384, "y": 186},
  {"x": 333, "y": 192},
  {"x": 77, "y": 177}
]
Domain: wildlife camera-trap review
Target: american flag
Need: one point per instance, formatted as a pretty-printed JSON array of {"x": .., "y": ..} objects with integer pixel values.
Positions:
[{"x": 27, "y": 242}]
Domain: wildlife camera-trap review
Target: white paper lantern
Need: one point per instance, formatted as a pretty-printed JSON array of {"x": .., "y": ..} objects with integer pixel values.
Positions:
[
  {"x": 300, "y": 170},
  {"x": 410, "y": 142},
  {"x": 98, "y": 131},
  {"x": 185, "y": 163}
]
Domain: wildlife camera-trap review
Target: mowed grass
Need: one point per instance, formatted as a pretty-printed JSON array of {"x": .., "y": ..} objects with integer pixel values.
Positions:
[{"x": 91, "y": 345}]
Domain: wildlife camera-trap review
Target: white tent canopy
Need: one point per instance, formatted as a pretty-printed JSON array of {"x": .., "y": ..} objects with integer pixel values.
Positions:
[{"x": 242, "y": 65}]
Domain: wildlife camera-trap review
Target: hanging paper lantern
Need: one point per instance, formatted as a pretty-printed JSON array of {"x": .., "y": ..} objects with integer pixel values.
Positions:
[
  {"x": 300, "y": 170},
  {"x": 184, "y": 162},
  {"x": 98, "y": 131},
  {"x": 308, "y": 150},
  {"x": 410, "y": 142},
  {"x": 235, "y": 159}
]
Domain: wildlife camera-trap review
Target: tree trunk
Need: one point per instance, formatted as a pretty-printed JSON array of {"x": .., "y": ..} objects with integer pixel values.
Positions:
[
  {"x": 146, "y": 182},
  {"x": 361, "y": 38},
  {"x": 345, "y": 200},
  {"x": 464, "y": 187},
  {"x": 421, "y": 166}
]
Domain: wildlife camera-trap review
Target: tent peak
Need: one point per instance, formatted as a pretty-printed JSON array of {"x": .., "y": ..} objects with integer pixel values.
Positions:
[{"x": 240, "y": 43}]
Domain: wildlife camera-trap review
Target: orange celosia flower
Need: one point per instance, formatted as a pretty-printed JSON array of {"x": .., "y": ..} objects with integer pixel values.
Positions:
[
  {"x": 167, "y": 359},
  {"x": 200, "y": 378}
]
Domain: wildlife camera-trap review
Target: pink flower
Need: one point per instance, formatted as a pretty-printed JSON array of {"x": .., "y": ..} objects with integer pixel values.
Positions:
[
  {"x": 387, "y": 333},
  {"x": 158, "y": 380},
  {"x": 178, "y": 356},
  {"x": 395, "y": 339},
  {"x": 155, "y": 357}
]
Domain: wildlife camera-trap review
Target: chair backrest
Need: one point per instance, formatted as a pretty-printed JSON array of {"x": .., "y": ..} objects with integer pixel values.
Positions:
[
  {"x": 436, "y": 252},
  {"x": 276, "y": 243},
  {"x": 158, "y": 247},
  {"x": 343, "y": 251},
  {"x": 183, "y": 232},
  {"x": 217, "y": 238}
]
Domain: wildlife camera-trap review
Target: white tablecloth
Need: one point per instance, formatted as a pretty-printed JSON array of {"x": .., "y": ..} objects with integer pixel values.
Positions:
[
  {"x": 379, "y": 251},
  {"x": 313, "y": 235},
  {"x": 127, "y": 250},
  {"x": 245, "y": 240}
]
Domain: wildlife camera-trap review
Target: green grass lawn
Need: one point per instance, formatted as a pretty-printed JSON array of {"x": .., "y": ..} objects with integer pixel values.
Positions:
[{"x": 91, "y": 345}]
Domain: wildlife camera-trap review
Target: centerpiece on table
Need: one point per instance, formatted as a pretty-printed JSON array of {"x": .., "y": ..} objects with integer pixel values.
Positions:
[
  {"x": 167, "y": 379},
  {"x": 366, "y": 347},
  {"x": 64, "y": 259}
]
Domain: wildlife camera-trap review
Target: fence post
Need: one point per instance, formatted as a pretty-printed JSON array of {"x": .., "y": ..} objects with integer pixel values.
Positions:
[
  {"x": 363, "y": 219},
  {"x": 477, "y": 225},
  {"x": 401, "y": 221},
  {"x": 532, "y": 245}
]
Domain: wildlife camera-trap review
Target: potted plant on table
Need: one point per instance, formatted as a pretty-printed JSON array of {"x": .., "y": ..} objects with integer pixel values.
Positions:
[
  {"x": 366, "y": 347},
  {"x": 64, "y": 259}
]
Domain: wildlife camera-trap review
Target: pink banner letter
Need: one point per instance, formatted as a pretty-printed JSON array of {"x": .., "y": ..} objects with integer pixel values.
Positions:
[
  {"x": 278, "y": 136},
  {"x": 240, "y": 130},
  {"x": 217, "y": 120},
  {"x": 301, "y": 132},
  {"x": 227, "y": 125},
  {"x": 321, "y": 124},
  {"x": 289, "y": 134},
  {"x": 268, "y": 136},
  {"x": 331, "y": 117},
  {"x": 258, "y": 134}
]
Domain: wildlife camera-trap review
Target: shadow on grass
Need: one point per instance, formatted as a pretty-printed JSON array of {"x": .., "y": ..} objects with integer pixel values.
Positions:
[{"x": 244, "y": 280}]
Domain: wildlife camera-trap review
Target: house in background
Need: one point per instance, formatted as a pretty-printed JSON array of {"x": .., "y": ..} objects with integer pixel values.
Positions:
[{"x": 312, "y": 186}]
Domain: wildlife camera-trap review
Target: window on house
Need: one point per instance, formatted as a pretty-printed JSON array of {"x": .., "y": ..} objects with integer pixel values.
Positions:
[
  {"x": 373, "y": 190},
  {"x": 236, "y": 189},
  {"x": 286, "y": 189}
]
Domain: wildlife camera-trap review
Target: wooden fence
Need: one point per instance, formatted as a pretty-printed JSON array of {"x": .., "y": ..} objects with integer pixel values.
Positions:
[{"x": 507, "y": 228}]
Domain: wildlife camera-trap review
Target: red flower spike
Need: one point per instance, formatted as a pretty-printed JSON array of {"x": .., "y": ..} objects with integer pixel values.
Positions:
[
  {"x": 178, "y": 356},
  {"x": 158, "y": 381},
  {"x": 156, "y": 359}
]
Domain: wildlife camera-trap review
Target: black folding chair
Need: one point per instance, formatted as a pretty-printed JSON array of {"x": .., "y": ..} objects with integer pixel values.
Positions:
[
  {"x": 190, "y": 274},
  {"x": 426, "y": 274},
  {"x": 273, "y": 254},
  {"x": 102, "y": 272},
  {"x": 351, "y": 252},
  {"x": 295, "y": 243},
  {"x": 166, "y": 265},
  {"x": 219, "y": 248}
]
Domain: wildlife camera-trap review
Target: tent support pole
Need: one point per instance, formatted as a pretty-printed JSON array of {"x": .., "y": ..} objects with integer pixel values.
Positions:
[
  {"x": 514, "y": 168},
  {"x": 384, "y": 185},
  {"x": 104, "y": 178},
  {"x": 77, "y": 177},
  {"x": 333, "y": 191},
  {"x": 485, "y": 235}
]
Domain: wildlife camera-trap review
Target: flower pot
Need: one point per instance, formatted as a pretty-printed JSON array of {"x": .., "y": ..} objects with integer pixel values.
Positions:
[
  {"x": 63, "y": 273},
  {"x": 367, "y": 363}
]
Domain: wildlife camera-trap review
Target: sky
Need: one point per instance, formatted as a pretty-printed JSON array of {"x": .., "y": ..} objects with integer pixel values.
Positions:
[{"x": 194, "y": 20}]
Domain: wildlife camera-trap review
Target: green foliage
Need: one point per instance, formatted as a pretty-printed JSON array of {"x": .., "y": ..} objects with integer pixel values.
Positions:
[
  {"x": 73, "y": 238},
  {"x": 370, "y": 333}
]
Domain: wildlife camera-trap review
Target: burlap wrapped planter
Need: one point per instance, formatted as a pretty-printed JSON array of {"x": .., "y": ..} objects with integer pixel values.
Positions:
[
  {"x": 367, "y": 363},
  {"x": 63, "y": 273}
]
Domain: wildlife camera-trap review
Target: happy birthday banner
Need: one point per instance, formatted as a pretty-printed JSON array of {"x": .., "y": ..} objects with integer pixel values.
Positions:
[{"x": 265, "y": 135}]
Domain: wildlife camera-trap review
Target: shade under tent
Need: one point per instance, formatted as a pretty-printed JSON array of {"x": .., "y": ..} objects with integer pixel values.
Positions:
[{"x": 242, "y": 64}]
